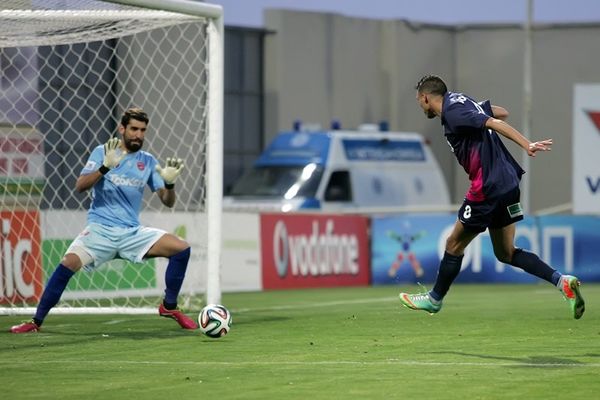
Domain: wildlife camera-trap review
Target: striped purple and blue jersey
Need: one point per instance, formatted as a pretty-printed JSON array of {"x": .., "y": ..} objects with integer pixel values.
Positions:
[{"x": 491, "y": 168}]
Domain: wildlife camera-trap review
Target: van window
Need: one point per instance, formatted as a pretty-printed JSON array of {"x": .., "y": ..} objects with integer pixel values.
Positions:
[
  {"x": 279, "y": 181},
  {"x": 339, "y": 187}
]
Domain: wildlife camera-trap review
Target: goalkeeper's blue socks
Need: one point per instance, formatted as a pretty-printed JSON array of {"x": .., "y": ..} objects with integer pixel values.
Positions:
[
  {"x": 54, "y": 289},
  {"x": 174, "y": 277},
  {"x": 531, "y": 263},
  {"x": 449, "y": 269}
]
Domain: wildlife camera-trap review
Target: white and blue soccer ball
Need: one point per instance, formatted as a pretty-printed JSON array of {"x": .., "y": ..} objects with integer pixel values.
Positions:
[{"x": 214, "y": 320}]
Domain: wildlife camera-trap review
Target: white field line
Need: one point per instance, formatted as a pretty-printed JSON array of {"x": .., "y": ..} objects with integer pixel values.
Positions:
[
  {"x": 152, "y": 311},
  {"x": 391, "y": 361},
  {"x": 302, "y": 306}
]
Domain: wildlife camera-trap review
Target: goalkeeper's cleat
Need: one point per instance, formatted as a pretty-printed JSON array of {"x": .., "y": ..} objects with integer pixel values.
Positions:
[
  {"x": 25, "y": 327},
  {"x": 569, "y": 287},
  {"x": 419, "y": 301},
  {"x": 183, "y": 320}
]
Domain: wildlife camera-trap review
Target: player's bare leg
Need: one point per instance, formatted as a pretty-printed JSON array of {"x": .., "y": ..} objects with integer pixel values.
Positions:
[{"x": 167, "y": 246}]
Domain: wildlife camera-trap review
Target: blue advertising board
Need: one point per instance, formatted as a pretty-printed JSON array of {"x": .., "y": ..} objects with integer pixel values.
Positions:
[
  {"x": 409, "y": 248},
  {"x": 572, "y": 244}
]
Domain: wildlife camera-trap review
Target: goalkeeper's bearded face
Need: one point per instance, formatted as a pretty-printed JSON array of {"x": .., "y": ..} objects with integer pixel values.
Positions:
[{"x": 133, "y": 135}]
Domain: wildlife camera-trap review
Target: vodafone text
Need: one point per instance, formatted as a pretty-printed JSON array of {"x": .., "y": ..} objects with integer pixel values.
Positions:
[
  {"x": 593, "y": 184},
  {"x": 320, "y": 253}
]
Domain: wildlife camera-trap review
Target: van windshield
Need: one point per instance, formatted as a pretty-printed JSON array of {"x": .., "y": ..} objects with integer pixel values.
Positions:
[{"x": 285, "y": 182}]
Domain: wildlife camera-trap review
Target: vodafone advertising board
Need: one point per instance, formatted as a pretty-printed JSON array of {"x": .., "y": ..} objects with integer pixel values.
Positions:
[{"x": 306, "y": 250}]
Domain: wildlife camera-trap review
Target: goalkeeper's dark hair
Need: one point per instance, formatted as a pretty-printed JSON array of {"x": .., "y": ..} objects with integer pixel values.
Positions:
[
  {"x": 431, "y": 84},
  {"x": 134, "y": 113}
]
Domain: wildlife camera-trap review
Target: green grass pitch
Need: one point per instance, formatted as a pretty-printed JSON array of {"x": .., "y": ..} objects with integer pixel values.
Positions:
[{"x": 488, "y": 342}]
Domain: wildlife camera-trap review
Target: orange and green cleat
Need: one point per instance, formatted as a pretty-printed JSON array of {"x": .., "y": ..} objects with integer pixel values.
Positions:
[
  {"x": 419, "y": 301},
  {"x": 569, "y": 287}
]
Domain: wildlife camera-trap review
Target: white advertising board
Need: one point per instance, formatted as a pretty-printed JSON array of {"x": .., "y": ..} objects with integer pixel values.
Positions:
[
  {"x": 586, "y": 149},
  {"x": 240, "y": 258}
]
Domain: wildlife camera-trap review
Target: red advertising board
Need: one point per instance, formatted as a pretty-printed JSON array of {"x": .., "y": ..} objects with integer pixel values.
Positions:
[
  {"x": 316, "y": 250},
  {"x": 20, "y": 261}
]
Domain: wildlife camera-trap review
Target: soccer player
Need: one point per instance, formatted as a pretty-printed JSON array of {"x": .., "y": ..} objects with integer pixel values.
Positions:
[
  {"x": 492, "y": 201},
  {"x": 117, "y": 173}
]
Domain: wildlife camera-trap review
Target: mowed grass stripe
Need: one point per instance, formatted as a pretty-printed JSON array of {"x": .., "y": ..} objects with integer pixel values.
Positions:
[{"x": 306, "y": 363}]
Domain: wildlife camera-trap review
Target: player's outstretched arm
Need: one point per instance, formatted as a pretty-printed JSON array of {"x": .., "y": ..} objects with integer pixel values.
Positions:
[
  {"x": 511, "y": 133},
  {"x": 169, "y": 173},
  {"x": 113, "y": 154}
]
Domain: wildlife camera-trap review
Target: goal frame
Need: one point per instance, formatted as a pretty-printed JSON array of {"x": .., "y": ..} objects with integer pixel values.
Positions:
[
  {"x": 214, "y": 190},
  {"x": 213, "y": 14}
]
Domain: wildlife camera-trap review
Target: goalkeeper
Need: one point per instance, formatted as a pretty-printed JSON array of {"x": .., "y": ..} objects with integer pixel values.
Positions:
[{"x": 117, "y": 173}]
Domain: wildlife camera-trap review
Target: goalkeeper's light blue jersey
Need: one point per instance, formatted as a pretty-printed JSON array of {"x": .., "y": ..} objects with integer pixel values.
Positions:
[{"x": 117, "y": 197}]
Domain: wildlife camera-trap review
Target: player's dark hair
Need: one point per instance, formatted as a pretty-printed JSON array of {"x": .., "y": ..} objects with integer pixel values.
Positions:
[
  {"x": 431, "y": 84},
  {"x": 134, "y": 113}
]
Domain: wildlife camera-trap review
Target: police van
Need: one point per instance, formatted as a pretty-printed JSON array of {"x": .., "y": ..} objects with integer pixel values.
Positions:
[{"x": 341, "y": 170}]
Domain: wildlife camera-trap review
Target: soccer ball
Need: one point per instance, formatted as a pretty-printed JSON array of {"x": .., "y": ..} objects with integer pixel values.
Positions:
[{"x": 214, "y": 320}]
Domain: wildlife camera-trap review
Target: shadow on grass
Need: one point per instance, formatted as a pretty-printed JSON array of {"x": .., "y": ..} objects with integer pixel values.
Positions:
[
  {"x": 60, "y": 335},
  {"x": 85, "y": 331},
  {"x": 527, "y": 361}
]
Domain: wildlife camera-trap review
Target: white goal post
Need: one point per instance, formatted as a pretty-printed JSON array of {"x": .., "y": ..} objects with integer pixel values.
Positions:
[{"x": 68, "y": 70}]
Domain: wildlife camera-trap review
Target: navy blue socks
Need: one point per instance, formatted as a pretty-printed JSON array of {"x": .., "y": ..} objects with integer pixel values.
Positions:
[
  {"x": 532, "y": 264},
  {"x": 449, "y": 269},
  {"x": 54, "y": 289},
  {"x": 174, "y": 277},
  {"x": 527, "y": 261}
]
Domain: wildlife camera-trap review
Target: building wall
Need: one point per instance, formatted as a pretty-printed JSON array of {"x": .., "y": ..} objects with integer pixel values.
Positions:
[
  {"x": 414, "y": 50},
  {"x": 243, "y": 123},
  {"x": 320, "y": 67}
]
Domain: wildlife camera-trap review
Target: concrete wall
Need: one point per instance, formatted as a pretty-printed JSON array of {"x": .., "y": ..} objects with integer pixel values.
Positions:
[
  {"x": 313, "y": 71},
  {"x": 320, "y": 67}
]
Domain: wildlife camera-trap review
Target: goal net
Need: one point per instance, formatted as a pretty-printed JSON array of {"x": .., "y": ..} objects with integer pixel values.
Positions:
[{"x": 68, "y": 70}]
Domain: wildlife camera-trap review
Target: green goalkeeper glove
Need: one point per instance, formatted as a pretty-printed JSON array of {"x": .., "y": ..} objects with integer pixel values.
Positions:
[
  {"x": 171, "y": 171},
  {"x": 112, "y": 157}
]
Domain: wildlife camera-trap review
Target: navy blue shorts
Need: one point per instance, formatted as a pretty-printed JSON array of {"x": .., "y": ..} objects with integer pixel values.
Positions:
[{"x": 492, "y": 213}]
